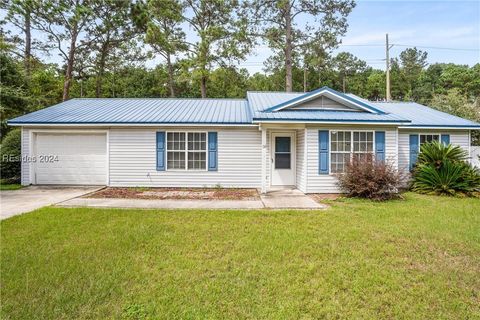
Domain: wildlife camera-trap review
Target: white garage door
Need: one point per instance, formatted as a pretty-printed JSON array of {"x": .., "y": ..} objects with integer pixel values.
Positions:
[{"x": 70, "y": 159}]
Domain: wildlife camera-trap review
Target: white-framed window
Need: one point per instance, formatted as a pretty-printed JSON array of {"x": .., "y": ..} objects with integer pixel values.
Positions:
[
  {"x": 345, "y": 144},
  {"x": 425, "y": 138},
  {"x": 362, "y": 144},
  {"x": 186, "y": 150}
]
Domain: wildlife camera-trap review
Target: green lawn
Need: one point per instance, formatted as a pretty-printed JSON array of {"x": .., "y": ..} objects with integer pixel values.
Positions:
[
  {"x": 9, "y": 186},
  {"x": 412, "y": 259}
]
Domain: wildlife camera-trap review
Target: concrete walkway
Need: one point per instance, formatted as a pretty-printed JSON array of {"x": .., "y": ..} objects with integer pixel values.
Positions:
[
  {"x": 162, "y": 204},
  {"x": 289, "y": 199},
  {"x": 14, "y": 202},
  {"x": 284, "y": 199}
]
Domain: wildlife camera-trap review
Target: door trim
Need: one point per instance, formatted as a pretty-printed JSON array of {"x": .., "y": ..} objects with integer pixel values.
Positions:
[{"x": 293, "y": 136}]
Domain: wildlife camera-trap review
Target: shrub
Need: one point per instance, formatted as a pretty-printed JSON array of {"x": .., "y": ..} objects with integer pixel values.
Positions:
[
  {"x": 371, "y": 179},
  {"x": 443, "y": 170},
  {"x": 10, "y": 155}
]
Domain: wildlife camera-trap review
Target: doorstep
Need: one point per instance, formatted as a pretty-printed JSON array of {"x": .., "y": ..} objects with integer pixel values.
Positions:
[{"x": 289, "y": 198}]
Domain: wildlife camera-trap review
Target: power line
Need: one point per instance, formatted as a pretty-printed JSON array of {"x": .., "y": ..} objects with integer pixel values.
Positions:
[
  {"x": 408, "y": 45},
  {"x": 360, "y": 45},
  {"x": 400, "y": 45},
  {"x": 437, "y": 48}
]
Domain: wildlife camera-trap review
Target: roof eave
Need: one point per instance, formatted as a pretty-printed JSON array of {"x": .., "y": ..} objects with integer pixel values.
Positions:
[
  {"x": 123, "y": 124},
  {"x": 333, "y": 121},
  {"x": 436, "y": 126}
]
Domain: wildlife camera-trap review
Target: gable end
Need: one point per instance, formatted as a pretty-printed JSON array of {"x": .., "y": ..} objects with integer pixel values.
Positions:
[
  {"x": 325, "y": 103},
  {"x": 348, "y": 103}
]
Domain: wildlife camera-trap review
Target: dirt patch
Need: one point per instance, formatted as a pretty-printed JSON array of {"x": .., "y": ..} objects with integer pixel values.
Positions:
[
  {"x": 177, "y": 193},
  {"x": 319, "y": 197}
]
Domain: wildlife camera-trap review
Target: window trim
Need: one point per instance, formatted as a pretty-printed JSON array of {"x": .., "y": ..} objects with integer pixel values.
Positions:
[
  {"x": 439, "y": 135},
  {"x": 351, "y": 146},
  {"x": 185, "y": 169}
]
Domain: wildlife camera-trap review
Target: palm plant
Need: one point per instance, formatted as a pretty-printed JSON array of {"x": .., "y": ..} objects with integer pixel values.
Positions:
[
  {"x": 442, "y": 169},
  {"x": 436, "y": 153},
  {"x": 447, "y": 180}
]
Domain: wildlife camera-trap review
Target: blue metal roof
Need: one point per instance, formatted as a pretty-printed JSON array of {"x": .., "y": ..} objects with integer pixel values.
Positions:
[
  {"x": 141, "y": 111},
  {"x": 327, "y": 116},
  {"x": 364, "y": 104},
  {"x": 423, "y": 116},
  {"x": 256, "y": 108},
  {"x": 262, "y": 102}
]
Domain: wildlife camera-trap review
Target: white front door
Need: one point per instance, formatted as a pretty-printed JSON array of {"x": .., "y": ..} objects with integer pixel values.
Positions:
[{"x": 283, "y": 159}]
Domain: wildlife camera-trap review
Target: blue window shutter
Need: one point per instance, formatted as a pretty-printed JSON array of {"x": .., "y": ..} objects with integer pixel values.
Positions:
[
  {"x": 413, "y": 150},
  {"x": 323, "y": 152},
  {"x": 212, "y": 151},
  {"x": 445, "y": 138},
  {"x": 380, "y": 145},
  {"x": 161, "y": 151}
]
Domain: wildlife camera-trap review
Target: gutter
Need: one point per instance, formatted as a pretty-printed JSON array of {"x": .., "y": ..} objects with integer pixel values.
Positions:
[
  {"x": 126, "y": 124},
  {"x": 296, "y": 121},
  {"x": 450, "y": 127}
]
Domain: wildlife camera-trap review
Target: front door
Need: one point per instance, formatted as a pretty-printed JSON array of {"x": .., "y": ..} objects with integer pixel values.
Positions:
[{"x": 283, "y": 159}]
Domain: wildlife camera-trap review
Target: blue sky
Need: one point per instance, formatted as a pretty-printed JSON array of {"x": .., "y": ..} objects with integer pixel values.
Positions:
[{"x": 444, "y": 24}]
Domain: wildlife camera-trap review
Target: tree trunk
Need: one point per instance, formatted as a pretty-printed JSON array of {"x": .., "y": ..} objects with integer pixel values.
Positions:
[
  {"x": 101, "y": 70},
  {"x": 71, "y": 60},
  {"x": 288, "y": 48},
  {"x": 202, "y": 60},
  {"x": 343, "y": 83},
  {"x": 304, "y": 78},
  {"x": 28, "y": 44},
  {"x": 203, "y": 86},
  {"x": 170, "y": 76},
  {"x": 319, "y": 76}
]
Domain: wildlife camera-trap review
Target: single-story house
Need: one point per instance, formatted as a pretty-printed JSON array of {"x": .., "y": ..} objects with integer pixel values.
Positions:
[{"x": 268, "y": 140}]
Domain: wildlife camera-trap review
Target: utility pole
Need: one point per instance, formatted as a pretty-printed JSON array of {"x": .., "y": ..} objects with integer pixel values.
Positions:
[{"x": 387, "y": 60}]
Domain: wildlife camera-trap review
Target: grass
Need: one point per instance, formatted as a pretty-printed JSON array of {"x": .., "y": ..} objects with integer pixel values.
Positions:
[
  {"x": 9, "y": 186},
  {"x": 412, "y": 259}
]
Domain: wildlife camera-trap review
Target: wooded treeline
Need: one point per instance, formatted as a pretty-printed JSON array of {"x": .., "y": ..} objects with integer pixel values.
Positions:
[{"x": 201, "y": 47}]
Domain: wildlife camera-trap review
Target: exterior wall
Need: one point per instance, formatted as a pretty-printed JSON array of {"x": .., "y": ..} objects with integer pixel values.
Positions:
[
  {"x": 324, "y": 103},
  {"x": 268, "y": 160},
  {"x": 300, "y": 161},
  {"x": 25, "y": 149},
  {"x": 323, "y": 183},
  {"x": 133, "y": 160},
  {"x": 132, "y": 157},
  {"x": 475, "y": 154},
  {"x": 457, "y": 137}
]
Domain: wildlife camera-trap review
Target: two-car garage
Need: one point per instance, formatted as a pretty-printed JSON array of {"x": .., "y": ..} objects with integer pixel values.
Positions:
[{"x": 73, "y": 158}]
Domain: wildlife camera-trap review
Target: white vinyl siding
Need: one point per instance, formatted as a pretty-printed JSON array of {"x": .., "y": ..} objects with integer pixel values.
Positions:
[
  {"x": 25, "y": 150},
  {"x": 133, "y": 160},
  {"x": 327, "y": 183},
  {"x": 324, "y": 103},
  {"x": 300, "y": 161},
  {"x": 457, "y": 137},
  {"x": 268, "y": 162}
]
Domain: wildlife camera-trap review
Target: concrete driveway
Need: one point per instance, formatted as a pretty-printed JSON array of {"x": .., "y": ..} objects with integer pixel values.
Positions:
[{"x": 14, "y": 202}]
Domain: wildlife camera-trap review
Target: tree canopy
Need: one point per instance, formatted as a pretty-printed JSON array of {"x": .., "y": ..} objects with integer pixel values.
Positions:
[{"x": 192, "y": 48}]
